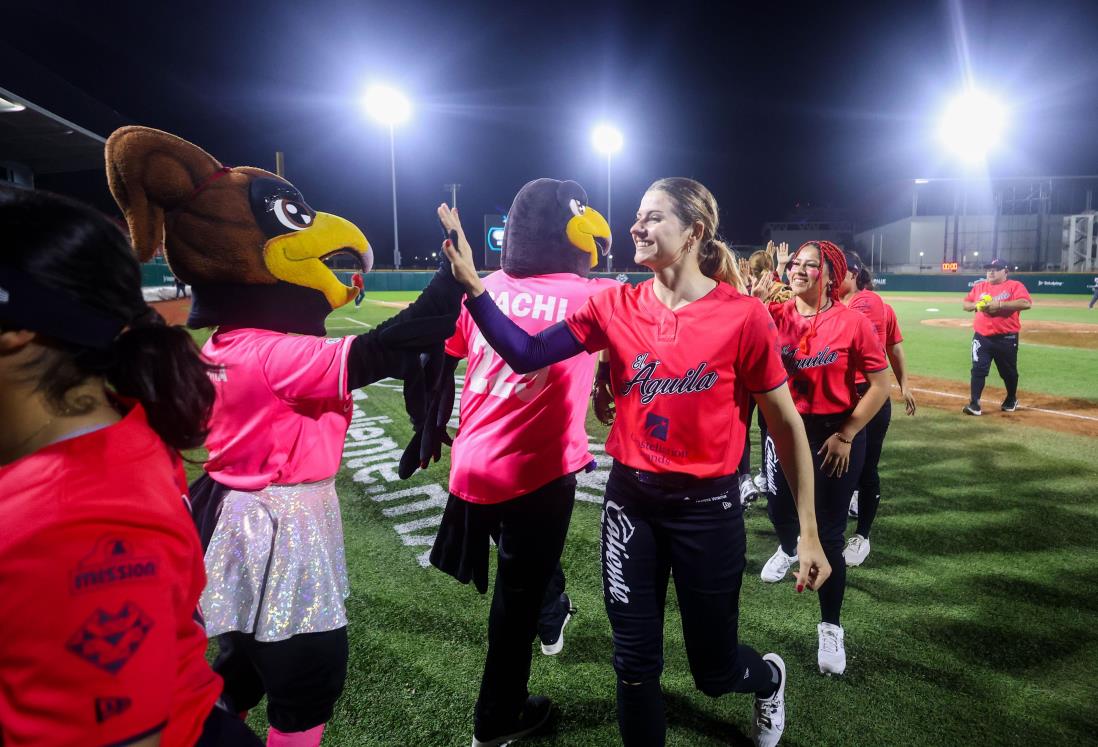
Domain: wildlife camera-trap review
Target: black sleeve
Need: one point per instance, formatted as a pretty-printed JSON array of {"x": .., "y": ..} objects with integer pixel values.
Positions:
[{"x": 392, "y": 348}]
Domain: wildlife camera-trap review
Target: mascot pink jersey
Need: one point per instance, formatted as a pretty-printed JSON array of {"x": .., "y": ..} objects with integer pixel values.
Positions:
[{"x": 519, "y": 432}]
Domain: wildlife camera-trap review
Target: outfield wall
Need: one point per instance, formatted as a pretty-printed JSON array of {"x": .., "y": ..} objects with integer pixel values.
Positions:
[{"x": 153, "y": 274}]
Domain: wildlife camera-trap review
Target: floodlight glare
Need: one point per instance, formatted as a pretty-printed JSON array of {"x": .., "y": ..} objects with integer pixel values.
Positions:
[
  {"x": 387, "y": 105},
  {"x": 972, "y": 125},
  {"x": 607, "y": 139},
  {"x": 10, "y": 106}
]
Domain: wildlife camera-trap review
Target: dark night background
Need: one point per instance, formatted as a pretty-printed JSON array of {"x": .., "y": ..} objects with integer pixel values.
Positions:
[{"x": 770, "y": 105}]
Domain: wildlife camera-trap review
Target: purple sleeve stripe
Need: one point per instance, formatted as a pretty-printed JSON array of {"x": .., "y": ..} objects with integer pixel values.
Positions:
[{"x": 523, "y": 352}]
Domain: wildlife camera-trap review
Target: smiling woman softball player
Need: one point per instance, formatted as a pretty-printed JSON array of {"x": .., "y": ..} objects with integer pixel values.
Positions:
[
  {"x": 687, "y": 351},
  {"x": 824, "y": 347}
]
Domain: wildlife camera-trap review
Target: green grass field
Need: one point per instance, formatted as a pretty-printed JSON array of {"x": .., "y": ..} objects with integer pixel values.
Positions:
[{"x": 972, "y": 622}]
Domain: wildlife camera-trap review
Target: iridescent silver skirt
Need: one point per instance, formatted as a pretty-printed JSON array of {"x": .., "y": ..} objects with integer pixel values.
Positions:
[{"x": 275, "y": 565}]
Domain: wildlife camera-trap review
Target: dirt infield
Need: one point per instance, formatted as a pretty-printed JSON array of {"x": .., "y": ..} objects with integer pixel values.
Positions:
[
  {"x": 1078, "y": 416},
  {"x": 174, "y": 312},
  {"x": 955, "y": 298},
  {"x": 1064, "y": 334}
]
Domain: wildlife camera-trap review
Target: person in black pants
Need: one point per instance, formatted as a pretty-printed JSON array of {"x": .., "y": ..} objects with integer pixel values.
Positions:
[
  {"x": 823, "y": 344},
  {"x": 686, "y": 353},
  {"x": 996, "y": 302}
]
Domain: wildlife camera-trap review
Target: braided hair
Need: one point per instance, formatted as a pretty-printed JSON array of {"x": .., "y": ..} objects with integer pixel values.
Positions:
[{"x": 836, "y": 263}]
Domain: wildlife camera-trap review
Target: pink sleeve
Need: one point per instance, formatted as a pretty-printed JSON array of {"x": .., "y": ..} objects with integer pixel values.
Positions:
[
  {"x": 759, "y": 364},
  {"x": 972, "y": 294},
  {"x": 458, "y": 345},
  {"x": 301, "y": 367},
  {"x": 866, "y": 353},
  {"x": 590, "y": 322},
  {"x": 1021, "y": 292}
]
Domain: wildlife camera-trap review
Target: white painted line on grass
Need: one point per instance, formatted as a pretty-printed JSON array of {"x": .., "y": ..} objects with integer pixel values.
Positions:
[
  {"x": 1020, "y": 407},
  {"x": 355, "y": 321}
]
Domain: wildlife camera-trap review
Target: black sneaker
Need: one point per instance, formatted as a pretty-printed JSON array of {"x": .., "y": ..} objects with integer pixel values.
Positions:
[
  {"x": 551, "y": 629},
  {"x": 971, "y": 409},
  {"x": 1009, "y": 405},
  {"x": 534, "y": 715}
]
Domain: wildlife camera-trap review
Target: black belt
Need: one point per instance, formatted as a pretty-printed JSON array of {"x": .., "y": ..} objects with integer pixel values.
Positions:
[{"x": 673, "y": 480}]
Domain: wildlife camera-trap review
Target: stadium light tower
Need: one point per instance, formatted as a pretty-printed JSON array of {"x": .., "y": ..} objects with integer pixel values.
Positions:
[
  {"x": 389, "y": 107},
  {"x": 608, "y": 141},
  {"x": 972, "y": 125}
]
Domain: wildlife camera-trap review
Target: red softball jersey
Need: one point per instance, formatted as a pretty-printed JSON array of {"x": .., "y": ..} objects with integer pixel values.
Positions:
[
  {"x": 101, "y": 570},
  {"x": 893, "y": 335},
  {"x": 822, "y": 380},
  {"x": 872, "y": 307},
  {"x": 1001, "y": 323},
  {"x": 682, "y": 379}
]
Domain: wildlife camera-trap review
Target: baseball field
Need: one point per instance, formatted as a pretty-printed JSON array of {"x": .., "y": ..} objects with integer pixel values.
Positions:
[{"x": 973, "y": 621}]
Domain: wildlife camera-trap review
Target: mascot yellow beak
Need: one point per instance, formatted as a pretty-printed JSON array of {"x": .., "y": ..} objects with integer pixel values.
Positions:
[
  {"x": 589, "y": 232},
  {"x": 296, "y": 257}
]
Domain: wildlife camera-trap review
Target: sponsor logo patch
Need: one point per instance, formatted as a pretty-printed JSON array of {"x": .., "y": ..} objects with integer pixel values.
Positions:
[
  {"x": 656, "y": 426},
  {"x": 108, "y": 640},
  {"x": 112, "y": 561},
  {"x": 109, "y": 707}
]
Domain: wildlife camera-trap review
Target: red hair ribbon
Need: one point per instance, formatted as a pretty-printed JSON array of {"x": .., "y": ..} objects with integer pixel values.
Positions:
[{"x": 836, "y": 260}]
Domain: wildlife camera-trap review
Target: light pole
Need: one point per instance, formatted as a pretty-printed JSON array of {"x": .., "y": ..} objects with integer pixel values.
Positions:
[
  {"x": 920, "y": 261},
  {"x": 607, "y": 140},
  {"x": 389, "y": 107}
]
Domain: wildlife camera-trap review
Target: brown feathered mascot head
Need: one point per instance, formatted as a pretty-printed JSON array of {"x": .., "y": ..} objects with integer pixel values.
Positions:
[{"x": 245, "y": 239}]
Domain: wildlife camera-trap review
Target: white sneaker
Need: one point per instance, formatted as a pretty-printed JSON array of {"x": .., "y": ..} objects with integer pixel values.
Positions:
[
  {"x": 831, "y": 655},
  {"x": 853, "y": 510},
  {"x": 856, "y": 550},
  {"x": 778, "y": 565},
  {"x": 760, "y": 481},
  {"x": 769, "y": 722},
  {"x": 748, "y": 493}
]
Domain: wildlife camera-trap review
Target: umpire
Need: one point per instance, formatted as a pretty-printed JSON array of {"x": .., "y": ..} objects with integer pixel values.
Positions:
[{"x": 997, "y": 303}]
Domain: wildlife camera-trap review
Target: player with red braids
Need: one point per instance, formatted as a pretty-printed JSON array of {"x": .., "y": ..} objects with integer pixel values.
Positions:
[{"x": 824, "y": 346}]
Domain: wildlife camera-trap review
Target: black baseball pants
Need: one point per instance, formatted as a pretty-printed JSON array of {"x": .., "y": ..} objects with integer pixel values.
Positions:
[
  {"x": 529, "y": 532},
  {"x": 1003, "y": 350},
  {"x": 655, "y": 525},
  {"x": 832, "y": 501},
  {"x": 869, "y": 484}
]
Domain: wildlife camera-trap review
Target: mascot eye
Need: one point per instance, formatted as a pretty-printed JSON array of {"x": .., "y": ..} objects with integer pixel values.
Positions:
[
  {"x": 577, "y": 207},
  {"x": 293, "y": 215}
]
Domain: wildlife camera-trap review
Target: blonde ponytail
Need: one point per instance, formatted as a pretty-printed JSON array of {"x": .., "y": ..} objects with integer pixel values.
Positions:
[{"x": 716, "y": 261}]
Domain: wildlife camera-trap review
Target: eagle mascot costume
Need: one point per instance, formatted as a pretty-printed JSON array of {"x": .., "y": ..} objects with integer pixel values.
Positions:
[
  {"x": 253, "y": 251},
  {"x": 520, "y": 443}
]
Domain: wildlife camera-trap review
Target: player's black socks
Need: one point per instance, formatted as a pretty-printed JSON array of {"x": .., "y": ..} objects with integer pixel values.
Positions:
[
  {"x": 640, "y": 714},
  {"x": 775, "y": 681}
]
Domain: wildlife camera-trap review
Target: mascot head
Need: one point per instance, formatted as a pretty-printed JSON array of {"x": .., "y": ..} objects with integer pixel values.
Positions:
[
  {"x": 243, "y": 238},
  {"x": 551, "y": 228}
]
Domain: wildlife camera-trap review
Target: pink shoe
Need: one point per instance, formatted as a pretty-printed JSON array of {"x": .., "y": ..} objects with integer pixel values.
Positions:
[{"x": 310, "y": 738}]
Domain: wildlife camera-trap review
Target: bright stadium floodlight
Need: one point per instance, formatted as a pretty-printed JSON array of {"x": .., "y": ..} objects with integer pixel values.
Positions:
[
  {"x": 972, "y": 125},
  {"x": 607, "y": 140},
  {"x": 389, "y": 107}
]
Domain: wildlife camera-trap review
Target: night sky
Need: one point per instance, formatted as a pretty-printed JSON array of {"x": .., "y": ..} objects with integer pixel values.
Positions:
[{"x": 819, "y": 103}]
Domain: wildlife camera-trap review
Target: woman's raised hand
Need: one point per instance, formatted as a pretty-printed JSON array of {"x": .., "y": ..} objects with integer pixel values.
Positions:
[{"x": 459, "y": 252}]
